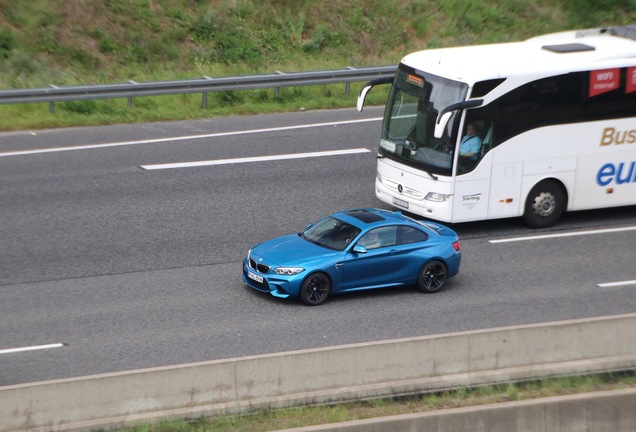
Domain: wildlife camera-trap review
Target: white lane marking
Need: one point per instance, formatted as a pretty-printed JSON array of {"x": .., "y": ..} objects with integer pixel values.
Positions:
[
  {"x": 570, "y": 234},
  {"x": 616, "y": 284},
  {"x": 183, "y": 138},
  {"x": 31, "y": 348},
  {"x": 255, "y": 159}
]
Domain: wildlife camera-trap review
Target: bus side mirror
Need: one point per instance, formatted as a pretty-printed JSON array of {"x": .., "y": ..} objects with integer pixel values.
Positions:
[
  {"x": 440, "y": 125},
  {"x": 368, "y": 86},
  {"x": 362, "y": 96},
  {"x": 445, "y": 115}
]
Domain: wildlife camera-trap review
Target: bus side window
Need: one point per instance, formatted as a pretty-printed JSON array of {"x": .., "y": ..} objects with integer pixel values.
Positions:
[{"x": 471, "y": 147}]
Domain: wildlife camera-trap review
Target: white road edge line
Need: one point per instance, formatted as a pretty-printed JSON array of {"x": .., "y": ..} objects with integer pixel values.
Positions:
[
  {"x": 571, "y": 234},
  {"x": 616, "y": 284},
  {"x": 255, "y": 159},
  {"x": 183, "y": 138},
  {"x": 31, "y": 348}
]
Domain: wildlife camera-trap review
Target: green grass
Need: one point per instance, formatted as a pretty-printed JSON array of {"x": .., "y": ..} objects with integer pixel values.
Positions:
[
  {"x": 316, "y": 415},
  {"x": 74, "y": 42},
  {"x": 182, "y": 107}
]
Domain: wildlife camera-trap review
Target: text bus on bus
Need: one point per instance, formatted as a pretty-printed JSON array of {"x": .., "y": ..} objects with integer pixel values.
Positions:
[{"x": 531, "y": 128}]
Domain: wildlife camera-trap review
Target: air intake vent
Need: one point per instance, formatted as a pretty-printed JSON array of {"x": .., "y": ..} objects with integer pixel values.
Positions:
[
  {"x": 568, "y": 48},
  {"x": 628, "y": 31}
]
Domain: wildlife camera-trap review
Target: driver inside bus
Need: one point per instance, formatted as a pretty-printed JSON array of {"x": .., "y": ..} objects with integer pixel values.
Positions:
[{"x": 471, "y": 143}]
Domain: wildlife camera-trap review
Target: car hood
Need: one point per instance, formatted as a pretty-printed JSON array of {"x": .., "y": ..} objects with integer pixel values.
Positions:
[{"x": 291, "y": 250}]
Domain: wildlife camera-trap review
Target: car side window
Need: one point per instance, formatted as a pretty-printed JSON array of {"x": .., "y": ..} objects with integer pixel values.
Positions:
[
  {"x": 379, "y": 237},
  {"x": 407, "y": 234}
]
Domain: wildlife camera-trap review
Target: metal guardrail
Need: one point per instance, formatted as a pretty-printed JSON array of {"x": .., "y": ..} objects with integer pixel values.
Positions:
[{"x": 203, "y": 85}]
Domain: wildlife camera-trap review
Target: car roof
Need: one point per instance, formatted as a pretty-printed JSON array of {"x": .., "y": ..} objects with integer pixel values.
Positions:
[{"x": 364, "y": 218}]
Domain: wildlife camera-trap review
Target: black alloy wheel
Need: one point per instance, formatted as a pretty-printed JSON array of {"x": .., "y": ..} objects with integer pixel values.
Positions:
[
  {"x": 432, "y": 277},
  {"x": 315, "y": 289}
]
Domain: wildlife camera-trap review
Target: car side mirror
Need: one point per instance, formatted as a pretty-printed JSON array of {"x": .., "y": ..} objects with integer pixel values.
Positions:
[{"x": 359, "y": 249}]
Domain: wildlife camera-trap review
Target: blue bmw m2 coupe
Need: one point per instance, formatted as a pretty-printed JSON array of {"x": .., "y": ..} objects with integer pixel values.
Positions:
[{"x": 354, "y": 250}]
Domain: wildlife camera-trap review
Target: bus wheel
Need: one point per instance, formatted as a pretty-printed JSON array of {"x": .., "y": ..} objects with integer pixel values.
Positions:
[{"x": 545, "y": 204}]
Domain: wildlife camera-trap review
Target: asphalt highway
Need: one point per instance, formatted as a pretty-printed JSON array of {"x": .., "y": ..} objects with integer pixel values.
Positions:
[{"x": 121, "y": 247}]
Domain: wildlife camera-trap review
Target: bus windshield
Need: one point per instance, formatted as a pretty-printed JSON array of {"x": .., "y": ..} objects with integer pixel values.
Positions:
[{"x": 415, "y": 101}]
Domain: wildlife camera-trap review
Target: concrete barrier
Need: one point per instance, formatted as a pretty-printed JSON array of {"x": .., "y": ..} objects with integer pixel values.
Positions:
[
  {"x": 378, "y": 369},
  {"x": 607, "y": 411}
]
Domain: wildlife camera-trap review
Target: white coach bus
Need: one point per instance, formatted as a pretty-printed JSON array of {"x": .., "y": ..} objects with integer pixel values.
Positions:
[{"x": 531, "y": 128}]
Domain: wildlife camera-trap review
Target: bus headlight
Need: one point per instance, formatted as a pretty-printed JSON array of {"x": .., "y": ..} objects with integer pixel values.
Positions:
[
  {"x": 436, "y": 197},
  {"x": 378, "y": 177}
]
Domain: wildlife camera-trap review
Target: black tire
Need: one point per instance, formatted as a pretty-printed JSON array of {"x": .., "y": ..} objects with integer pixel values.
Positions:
[
  {"x": 315, "y": 289},
  {"x": 432, "y": 277},
  {"x": 545, "y": 204}
]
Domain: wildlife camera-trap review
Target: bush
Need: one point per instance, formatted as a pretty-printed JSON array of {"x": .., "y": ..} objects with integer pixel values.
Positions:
[
  {"x": 136, "y": 53},
  {"x": 205, "y": 27},
  {"x": 230, "y": 98},
  {"x": 7, "y": 42},
  {"x": 105, "y": 42},
  {"x": 21, "y": 64},
  {"x": 84, "y": 107},
  {"x": 234, "y": 46}
]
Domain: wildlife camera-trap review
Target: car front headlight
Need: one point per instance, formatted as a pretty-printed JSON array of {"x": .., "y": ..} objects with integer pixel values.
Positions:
[{"x": 288, "y": 271}]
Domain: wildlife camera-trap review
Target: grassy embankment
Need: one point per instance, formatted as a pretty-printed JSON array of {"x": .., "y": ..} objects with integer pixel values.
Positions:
[
  {"x": 78, "y": 42},
  {"x": 318, "y": 415}
]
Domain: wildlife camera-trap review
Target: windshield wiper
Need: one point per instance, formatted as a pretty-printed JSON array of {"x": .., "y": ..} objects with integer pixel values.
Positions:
[{"x": 433, "y": 176}]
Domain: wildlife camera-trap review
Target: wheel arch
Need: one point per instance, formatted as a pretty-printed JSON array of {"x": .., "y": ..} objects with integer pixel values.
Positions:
[
  {"x": 323, "y": 271},
  {"x": 561, "y": 206},
  {"x": 302, "y": 295},
  {"x": 424, "y": 266},
  {"x": 529, "y": 184},
  {"x": 452, "y": 263},
  {"x": 435, "y": 258},
  {"x": 316, "y": 271}
]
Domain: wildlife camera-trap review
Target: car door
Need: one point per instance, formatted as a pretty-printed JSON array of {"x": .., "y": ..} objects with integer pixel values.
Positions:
[{"x": 388, "y": 259}]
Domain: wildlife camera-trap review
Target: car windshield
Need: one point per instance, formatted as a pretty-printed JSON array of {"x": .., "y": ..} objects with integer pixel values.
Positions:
[
  {"x": 331, "y": 233},
  {"x": 415, "y": 101}
]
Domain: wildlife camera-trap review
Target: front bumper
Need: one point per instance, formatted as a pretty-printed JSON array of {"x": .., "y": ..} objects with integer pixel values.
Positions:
[{"x": 277, "y": 285}]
